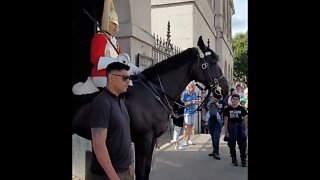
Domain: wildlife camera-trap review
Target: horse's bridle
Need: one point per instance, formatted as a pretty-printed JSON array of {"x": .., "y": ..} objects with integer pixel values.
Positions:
[
  {"x": 204, "y": 66},
  {"x": 214, "y": 82}
]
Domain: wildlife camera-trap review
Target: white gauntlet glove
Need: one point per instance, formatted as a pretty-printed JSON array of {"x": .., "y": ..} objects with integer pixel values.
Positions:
[
  {"x": 134, "y": 70},
  {"x": 105, "y": 61},
  {"x": 124, "y": 58}
]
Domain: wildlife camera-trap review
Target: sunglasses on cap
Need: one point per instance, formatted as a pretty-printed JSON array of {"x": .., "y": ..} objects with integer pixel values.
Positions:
[{"x": 124, "y": 77}]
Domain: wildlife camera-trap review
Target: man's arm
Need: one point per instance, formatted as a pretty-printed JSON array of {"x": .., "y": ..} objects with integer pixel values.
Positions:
[
  {"x": 245, "y": 120},
  {"x": 226, "y": 121},
  {"x": 245, "y": 123},
  {"x": 99, "y": 136}
]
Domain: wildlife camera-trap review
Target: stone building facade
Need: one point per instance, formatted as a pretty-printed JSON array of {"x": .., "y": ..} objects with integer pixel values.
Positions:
[{"x": 190, "y": 19}]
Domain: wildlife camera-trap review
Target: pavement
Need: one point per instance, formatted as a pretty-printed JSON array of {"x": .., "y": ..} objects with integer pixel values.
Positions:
[{"x": 193, "y": 163}]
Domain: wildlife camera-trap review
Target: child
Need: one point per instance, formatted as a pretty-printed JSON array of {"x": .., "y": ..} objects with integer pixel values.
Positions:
[{"x": 235, "y": 130}]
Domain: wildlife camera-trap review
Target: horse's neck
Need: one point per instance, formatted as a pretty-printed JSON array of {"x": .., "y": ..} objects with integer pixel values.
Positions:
[
  {"x": 174, "y": 74},
  {"x": 175, "y": 82}
]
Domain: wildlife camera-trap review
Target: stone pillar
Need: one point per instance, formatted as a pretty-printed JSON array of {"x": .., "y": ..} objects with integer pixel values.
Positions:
[
  {"x": 134, "y": 35},
  {"x": 81, "y": 156}
]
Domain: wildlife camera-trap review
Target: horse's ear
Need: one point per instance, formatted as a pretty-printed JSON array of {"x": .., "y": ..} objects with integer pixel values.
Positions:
[{"x": 201, "y": 44}]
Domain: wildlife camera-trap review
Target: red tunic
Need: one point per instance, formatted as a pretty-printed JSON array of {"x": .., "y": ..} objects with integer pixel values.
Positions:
[{"x": 101, "y": 47}]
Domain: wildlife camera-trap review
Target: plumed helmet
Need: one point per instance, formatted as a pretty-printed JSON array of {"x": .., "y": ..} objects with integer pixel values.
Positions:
[
  {"x": 113, "y": 17},
  {"x": 109, "y": 15}
]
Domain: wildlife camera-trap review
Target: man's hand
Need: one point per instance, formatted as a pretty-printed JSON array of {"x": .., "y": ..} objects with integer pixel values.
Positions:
[
  {"x": 131, "y": 170},
  {"x": 196, "y": 102}
]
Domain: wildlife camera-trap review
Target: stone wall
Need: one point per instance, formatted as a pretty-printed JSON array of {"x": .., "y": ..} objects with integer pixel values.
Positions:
[{"x": 81, "y": 156}]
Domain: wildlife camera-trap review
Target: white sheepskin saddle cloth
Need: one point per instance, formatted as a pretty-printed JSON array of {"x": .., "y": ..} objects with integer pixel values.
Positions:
[{"x": 87, "y": 87}]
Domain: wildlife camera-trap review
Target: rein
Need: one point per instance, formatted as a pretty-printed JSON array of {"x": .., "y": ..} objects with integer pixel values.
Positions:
[{"x": 157, "y": 93}]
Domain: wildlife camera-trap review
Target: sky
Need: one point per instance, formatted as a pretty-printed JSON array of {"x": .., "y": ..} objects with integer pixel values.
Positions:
[{"x": 240, "y": 17}]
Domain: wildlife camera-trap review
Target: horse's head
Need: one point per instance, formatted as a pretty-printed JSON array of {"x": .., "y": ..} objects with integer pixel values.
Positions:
[{"x": 208, "y": 72}]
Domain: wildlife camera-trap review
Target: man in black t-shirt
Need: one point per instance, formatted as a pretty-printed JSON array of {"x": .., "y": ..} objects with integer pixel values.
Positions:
[
  {"x": 235, "y": 129},
  {"x": 110, "y": 128}
]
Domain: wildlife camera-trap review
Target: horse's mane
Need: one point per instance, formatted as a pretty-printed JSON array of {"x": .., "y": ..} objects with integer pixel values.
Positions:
[
  {"x": 167, "y": 65},
  {"x": 179, "y": 59}
]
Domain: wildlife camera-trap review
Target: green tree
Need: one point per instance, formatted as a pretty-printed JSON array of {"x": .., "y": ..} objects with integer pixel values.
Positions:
[{"x": 240, "y": 59}]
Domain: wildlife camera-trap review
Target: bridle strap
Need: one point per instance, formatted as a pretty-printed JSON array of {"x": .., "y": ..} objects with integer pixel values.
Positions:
[{"x": 205, "y": 66}]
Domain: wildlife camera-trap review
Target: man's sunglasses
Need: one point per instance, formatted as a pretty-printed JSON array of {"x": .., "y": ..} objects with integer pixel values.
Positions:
[{"x": 124, "y": 77}]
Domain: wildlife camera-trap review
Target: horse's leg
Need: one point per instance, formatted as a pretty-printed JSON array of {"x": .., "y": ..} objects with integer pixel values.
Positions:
[
  {"x": 143, "y": 153},
  {"x": 149, "y": 158}
]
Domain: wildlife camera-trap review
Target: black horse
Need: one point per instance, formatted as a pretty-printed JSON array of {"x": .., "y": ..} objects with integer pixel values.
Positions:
[{"x": 149, "y": 101}]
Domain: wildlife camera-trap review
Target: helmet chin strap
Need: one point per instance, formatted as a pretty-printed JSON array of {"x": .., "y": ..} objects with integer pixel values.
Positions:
[{"x": 105, "y": 31}]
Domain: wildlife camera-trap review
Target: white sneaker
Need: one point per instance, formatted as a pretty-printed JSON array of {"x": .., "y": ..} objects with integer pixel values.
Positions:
[
  {"x": 190, "y": 142},
  {"x": 182, "y": 148},
  {"x": 185, "y": 143},
  {"x": 175, "y": 146}
]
